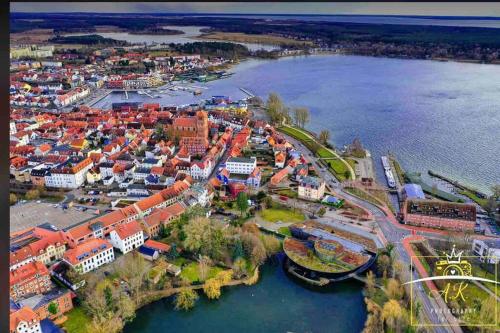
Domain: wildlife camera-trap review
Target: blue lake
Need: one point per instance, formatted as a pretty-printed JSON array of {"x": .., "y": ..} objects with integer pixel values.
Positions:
[
  {"x": 274, "y": 304},
  {"x": 443, "y": 116}
]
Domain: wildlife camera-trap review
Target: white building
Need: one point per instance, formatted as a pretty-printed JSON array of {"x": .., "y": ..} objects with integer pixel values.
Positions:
[
  {"x": 311, "y": 188},
  {"x": 487, "y": 250},
  {"x": 13, "y": 129},
  {"x": 241, "y": 165},
  {"x": 24, "y": 320},
  {"x": 201, "y": 170},
  {"x": 72, "y": 174},
  {"x": 90, "y": 255},
  {"x": 127, "y": 237}
]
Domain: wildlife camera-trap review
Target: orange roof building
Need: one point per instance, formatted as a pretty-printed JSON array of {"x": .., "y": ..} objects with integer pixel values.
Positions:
[
  {"x": 90, "y": 255},
  {"x": 32, "y": 278},
  {"x": 24, "y": 320}
]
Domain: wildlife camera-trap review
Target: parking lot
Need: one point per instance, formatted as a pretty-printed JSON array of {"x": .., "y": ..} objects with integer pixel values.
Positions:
[{"x": 31, "y": 214}]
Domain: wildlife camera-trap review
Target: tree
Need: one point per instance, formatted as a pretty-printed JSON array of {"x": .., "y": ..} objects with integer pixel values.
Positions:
[
  {"x": 32, "y": 195},
  {"x": 239, "y": 267},
  {"x": 271, "y": 244},
  {"x": 204, "y": 264},
  {"x": 108, "y": 296},
  {"x": 224, "y": 276},
  {"x": 242, "y": 202},
  {"x": 12, "y": 199},
  {"x": 321, "y": 211},
  {"x": 324, "y": 136},
  {"x": 134, "y": 269},
  {"x": 392, "y": 314},
  {"x": 126, "y": 307},
  {"x": 238, "y": 249},
  {"x": 394, "y": 290},
  {"x": 185, "y": 299},
  {"x": 195, "y": 230},
  {"x": 370, "y": 284},
  {"x": 173, "y": 253},
  {"x": 374, "y": 323},
  {"x": 268, "y": 202},
  {"x": 275, "y": 108},
  {"x": 53, "y": 308},
  {"x": 384, "y": 263},
  {"x": 212, "y": 287},
  {"x": 301, "y": 116}
]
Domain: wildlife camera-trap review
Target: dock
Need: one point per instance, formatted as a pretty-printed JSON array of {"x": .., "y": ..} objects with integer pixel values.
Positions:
[
  {"x": 246, "y": 91},
  {"x": 126, "y": 94}
]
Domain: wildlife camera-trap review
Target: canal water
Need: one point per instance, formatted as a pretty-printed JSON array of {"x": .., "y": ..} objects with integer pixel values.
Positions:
[
  {"x": 443, "y": 116},
  {"x": 276, "y": 304}
]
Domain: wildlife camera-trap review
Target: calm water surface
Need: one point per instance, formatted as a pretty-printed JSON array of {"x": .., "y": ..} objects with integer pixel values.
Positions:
[
  {"x": 189, "y": 36},
  {"x": 274, "y": 304},
  {"x": 443, "y": 116}
]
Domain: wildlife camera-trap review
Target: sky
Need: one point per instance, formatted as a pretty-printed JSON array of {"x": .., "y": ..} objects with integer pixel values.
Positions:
[{"x": 353, "y": 8}]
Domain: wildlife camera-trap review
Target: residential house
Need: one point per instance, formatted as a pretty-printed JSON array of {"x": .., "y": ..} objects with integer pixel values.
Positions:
[
  {"x": 127, "y": 237},
  {"x": 90, "y": 255},
  {"x": 311, "y": 188},
  {"x": 32, "y": 278}
]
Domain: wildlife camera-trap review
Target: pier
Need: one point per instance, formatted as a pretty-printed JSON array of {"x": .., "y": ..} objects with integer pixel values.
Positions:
[
  {"x": 126, "y": 94},
  {"x": 247, "y": 92},
  {"x": 101, "y": 95}
]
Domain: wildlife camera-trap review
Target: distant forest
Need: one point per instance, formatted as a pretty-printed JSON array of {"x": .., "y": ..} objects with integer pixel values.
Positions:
[
  {"x": 87, "y": 40},
  {"x": 327, "y": 32}
]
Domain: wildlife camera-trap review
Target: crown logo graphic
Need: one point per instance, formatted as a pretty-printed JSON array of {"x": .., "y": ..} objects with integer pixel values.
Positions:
[{"x": 454, "y": 256}]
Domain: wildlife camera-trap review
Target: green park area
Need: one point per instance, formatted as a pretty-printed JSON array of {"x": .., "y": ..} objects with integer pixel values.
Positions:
[
  {"x": 191, "y": 272},
  {"x": 285, "y": 231},
  {"x": 324, "y": 153},
  {"x": 77, "y": 321},
  {"x": 295, "y": 133},
  {"x": 282, "y": 214},
  {"x": 338, "y": 166}
]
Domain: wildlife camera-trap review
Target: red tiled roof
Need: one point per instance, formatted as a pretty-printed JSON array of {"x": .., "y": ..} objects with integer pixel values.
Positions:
[
  {"x": 27, "y": 272},
  {"x": 86, "y": 247},
  {"x": 25, "y": 314},
  {"x": 152, "y": 244},
  {"x": 127, "y": 230}
]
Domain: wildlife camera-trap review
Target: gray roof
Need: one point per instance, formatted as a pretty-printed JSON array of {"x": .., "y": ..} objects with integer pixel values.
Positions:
[{"x": 241, "y": 159}]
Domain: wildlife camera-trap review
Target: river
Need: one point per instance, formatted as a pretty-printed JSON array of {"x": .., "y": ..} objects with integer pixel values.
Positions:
[
  {"x": 443, "y": 116},
  {"x": 275, "y": 304}
]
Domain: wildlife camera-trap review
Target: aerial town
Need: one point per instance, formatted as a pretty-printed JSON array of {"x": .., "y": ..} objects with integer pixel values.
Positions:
[{"x": 116, "y": 207}]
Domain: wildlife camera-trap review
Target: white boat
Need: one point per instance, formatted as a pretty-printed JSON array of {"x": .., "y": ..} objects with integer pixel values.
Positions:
[
  {"x": 385, "y": 163},
  {"x": 140, "y": 92},
  {"x": 390, "y": 179}
]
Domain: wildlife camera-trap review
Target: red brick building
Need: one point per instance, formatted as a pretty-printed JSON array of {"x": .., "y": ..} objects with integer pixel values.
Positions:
[
  {"x": 32, "y": 278},
  {"x": 439, "y": 214}
]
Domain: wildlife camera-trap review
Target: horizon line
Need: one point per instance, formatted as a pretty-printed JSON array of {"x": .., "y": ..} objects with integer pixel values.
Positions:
[{"x": 459, "y": 17}]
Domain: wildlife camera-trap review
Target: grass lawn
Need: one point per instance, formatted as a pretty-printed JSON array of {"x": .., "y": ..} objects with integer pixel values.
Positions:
[
  {"x": 351, "y": 162},
  {"x": 288, "y": 193},
  {"x": 285, "y": 231},
  {"x": 190, "y": 272},
  {"x": 324, "y": 153},
  {"x": 282, "y": 214},
  {"x": 297, "y": 134},
  {"x": 480, "y": 201},
  {"x": 365, "y": 196},
  {"x": 77, "y": 321}
]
